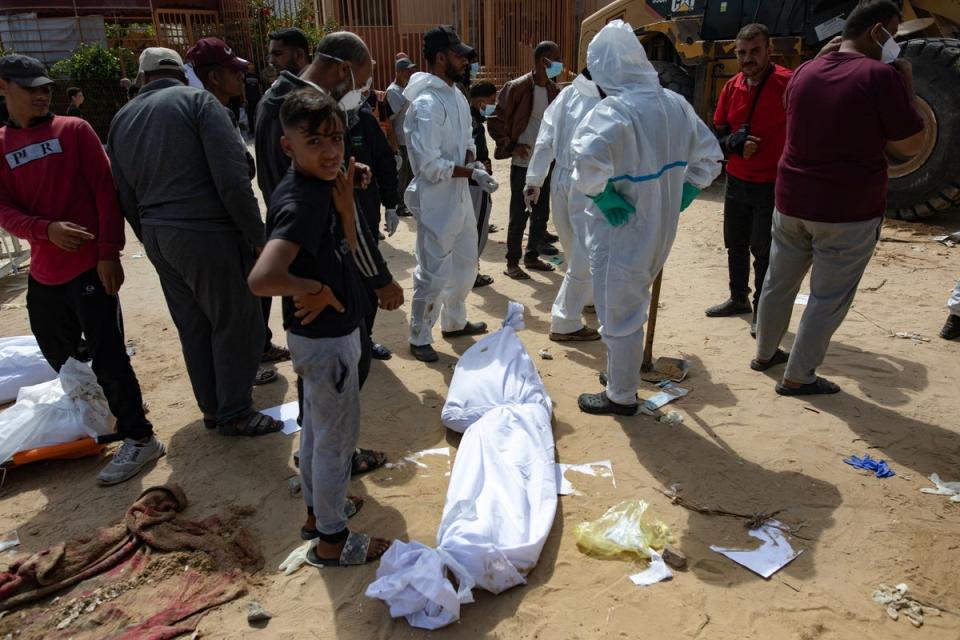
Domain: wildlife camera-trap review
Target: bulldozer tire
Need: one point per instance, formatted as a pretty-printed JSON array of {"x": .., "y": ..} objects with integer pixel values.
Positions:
[
  {"x": 930, "y": 182},
  {"x": 675, "y": 77}
]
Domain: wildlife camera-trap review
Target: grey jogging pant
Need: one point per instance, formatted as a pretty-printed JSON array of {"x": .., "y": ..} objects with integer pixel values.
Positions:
[
  {"x": 330, "y": 426},
  {"x": 836, "y": 254}
]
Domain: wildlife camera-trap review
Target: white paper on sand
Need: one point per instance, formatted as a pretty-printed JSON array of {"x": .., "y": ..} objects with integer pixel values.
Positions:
[
  {"x": 658, "y": 571},
  {"x": 502, "y": 497},
  {"x": 669, "y": 393},
  {"x": 415, "y": 457},
  {"x": 951, "y": 489},
  {"x": 287, "y": 414},
  {"x": 772, "y": 555},
  {"x": 602, "y": 469},
  {"x": 802, "y": 298}
]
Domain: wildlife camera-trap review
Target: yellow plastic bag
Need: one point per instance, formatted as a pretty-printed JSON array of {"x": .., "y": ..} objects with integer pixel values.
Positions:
[{"x": 625, "y": 529}]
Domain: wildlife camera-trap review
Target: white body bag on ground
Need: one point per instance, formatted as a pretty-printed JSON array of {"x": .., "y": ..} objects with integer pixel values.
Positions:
[
  {"x": 21, "y": 365},
  {"x": 502, "y": 497},
  {"x": 68, "y": 408}
]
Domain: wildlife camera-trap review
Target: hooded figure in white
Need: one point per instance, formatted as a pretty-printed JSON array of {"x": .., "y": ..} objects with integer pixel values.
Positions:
[
  {"x": 438, "y": 130},
  {"x": 568, "y": 204},
  {"x": 640, "y": 154}
]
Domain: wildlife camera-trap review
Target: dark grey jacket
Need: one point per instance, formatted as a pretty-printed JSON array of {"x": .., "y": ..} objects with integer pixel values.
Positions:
[{"x": 178, "y": 161}]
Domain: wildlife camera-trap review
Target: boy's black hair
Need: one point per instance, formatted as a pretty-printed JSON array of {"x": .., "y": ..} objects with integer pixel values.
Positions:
[
  {"x": 308, "y": 110},
  {"x": 72, "y": 91},
  {"x": 483, "y": 90},
  {"x": 867, "y": 14}
]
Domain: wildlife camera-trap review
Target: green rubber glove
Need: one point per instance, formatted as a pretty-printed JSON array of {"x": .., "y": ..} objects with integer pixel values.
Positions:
[
  {"x": 690, "y": 193},
  {"x": 614, "y": 208}
]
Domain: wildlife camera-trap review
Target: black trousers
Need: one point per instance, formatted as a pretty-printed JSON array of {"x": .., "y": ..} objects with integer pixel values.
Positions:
[
  {"x": 60, "y": 314},
  {"x": 265, "y": 305},
  {"x": 747, "y": 222},
  {"x": 518, "y": 217}
]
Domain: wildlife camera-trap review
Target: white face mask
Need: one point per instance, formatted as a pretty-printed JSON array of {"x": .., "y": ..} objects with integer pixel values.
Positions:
[
  {"x": 352, "y": 100},
  {"x": 890, "y": 50}
]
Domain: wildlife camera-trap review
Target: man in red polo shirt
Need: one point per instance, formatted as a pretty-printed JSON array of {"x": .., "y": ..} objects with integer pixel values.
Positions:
[
  {"x": 844, "y": 109},
  {"x": 57, "y": 192},
  {"x": 752, "y": 124}
]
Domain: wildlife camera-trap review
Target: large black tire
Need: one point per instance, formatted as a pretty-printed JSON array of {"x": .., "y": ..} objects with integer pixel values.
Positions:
[
  {"x": 934, "y": 185},
  {"x": 675, "y": 77}
]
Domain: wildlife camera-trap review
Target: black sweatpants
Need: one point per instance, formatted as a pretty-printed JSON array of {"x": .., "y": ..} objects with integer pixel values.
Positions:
[
  {"x": 204, "y": 279},
  {"x": 518, "y": 217},
  {"x": 747, "y": 223},
  {"x": 59, "y": 314},
  {"x": 265, "y": 305}
]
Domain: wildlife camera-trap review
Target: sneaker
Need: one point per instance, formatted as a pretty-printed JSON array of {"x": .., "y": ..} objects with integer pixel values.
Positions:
[
  {"x": 731, "y": 307},
  {"x": 424, "y": 353},
  {"x": 380, "y": 352},
  {"x": 129, "y": 459}
]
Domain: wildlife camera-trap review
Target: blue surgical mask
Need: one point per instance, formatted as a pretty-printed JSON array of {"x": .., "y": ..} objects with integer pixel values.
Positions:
[
  {"x": 488, "y": 110},
  {"x": 554, "y": 69},
  {"x": 474, "y": 69}
]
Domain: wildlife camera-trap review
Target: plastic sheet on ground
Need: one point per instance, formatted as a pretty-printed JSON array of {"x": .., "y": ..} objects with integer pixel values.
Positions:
[
  {"x": 625, "y": 529},
  {"x": 21, "y": 365},
  {"x": 773, "y": 554},
  {"x": 68, "y": 408},
  {"x": 502, "y": 497}
]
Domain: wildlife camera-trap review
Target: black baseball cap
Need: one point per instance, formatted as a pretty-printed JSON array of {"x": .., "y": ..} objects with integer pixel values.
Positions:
[
  {"x": 25, "y": 71},
  {"x": 444, "y": 37}
]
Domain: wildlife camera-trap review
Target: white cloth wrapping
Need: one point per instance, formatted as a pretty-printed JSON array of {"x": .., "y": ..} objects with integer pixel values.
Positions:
[
  {"x": 495, "y": 371},
  {"x": 21, "y": 365},
  {"x": 68, "y": 408},
  {"x": 502, "y": 497}
]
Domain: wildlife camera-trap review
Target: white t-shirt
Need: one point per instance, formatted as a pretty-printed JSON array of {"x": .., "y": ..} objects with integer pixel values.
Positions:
[{"x": 529, "y": 135}]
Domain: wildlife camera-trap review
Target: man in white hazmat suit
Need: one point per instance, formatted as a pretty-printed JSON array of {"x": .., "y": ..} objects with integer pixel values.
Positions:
[
  {"x": 641, "y": 155},
  {"x": 438, "y": 130},
  {"x": 569, "y": 205}
]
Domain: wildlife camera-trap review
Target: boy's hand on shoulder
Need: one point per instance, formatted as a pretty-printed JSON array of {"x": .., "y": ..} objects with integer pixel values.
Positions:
[
  {"x": 311, "y": 305},
  {"x": 390, "y": 296}
]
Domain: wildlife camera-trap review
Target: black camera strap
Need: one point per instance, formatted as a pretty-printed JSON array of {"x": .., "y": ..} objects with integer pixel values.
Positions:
[{"x": 756, "y": 96}]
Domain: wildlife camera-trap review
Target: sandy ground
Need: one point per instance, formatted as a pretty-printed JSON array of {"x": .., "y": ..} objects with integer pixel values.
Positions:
[{"x": 741, "y": 448}]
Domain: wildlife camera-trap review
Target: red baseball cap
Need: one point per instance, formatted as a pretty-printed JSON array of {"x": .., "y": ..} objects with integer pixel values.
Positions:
[{"x": 214, "y": 51}]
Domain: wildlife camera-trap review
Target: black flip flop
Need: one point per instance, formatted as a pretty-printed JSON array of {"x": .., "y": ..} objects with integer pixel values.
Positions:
[
  {"x": 779, "y": 357},
  {"x": 482, "y": 280},
  {"x": 251, "y": 424},
  {"x": 265, "y": 375},
  {"x": 600, "y": 405},
  {"x": 352, "y": 510},
  {"x": 821, "y": 386},
  {"x": 354, "y": 553}
]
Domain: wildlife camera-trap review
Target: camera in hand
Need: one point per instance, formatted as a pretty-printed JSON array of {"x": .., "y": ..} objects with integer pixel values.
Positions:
[{"x": 737, "y": 139}]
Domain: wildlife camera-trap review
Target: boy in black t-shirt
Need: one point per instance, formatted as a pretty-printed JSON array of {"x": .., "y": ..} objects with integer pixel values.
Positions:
[{"x": 308, "y": 260}]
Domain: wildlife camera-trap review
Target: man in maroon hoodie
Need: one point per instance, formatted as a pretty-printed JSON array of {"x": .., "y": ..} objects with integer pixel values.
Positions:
[{"x": 57, "y": 192}]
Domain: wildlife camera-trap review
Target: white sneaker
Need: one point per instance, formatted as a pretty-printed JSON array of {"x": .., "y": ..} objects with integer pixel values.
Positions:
[{"x": 129, "y": 459}]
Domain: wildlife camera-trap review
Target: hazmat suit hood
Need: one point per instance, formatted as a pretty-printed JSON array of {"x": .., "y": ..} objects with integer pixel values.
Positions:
[
  {"x": 617, "y": 61},
  {"x": 420, "y": 81}
]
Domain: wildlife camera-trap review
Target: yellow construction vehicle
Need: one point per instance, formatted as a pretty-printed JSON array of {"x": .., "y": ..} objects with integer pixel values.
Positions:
[{"x": 691, "y": 43}]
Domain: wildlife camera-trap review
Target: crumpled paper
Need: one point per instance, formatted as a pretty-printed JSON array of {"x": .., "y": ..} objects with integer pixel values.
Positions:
[{"x": 658, "y": 571}]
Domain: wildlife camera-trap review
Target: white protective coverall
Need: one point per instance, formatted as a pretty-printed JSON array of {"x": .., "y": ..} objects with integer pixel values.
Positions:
[
  {"x": 439, "y": 135},
  {"x": 647, "y": 141},
  {"x": 953, "y": 304},
  {"x": 569, "y": 205}
]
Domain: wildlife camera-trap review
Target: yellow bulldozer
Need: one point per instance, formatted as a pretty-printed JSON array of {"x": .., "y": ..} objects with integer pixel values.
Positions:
[{"x": 691, "y": 43}]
